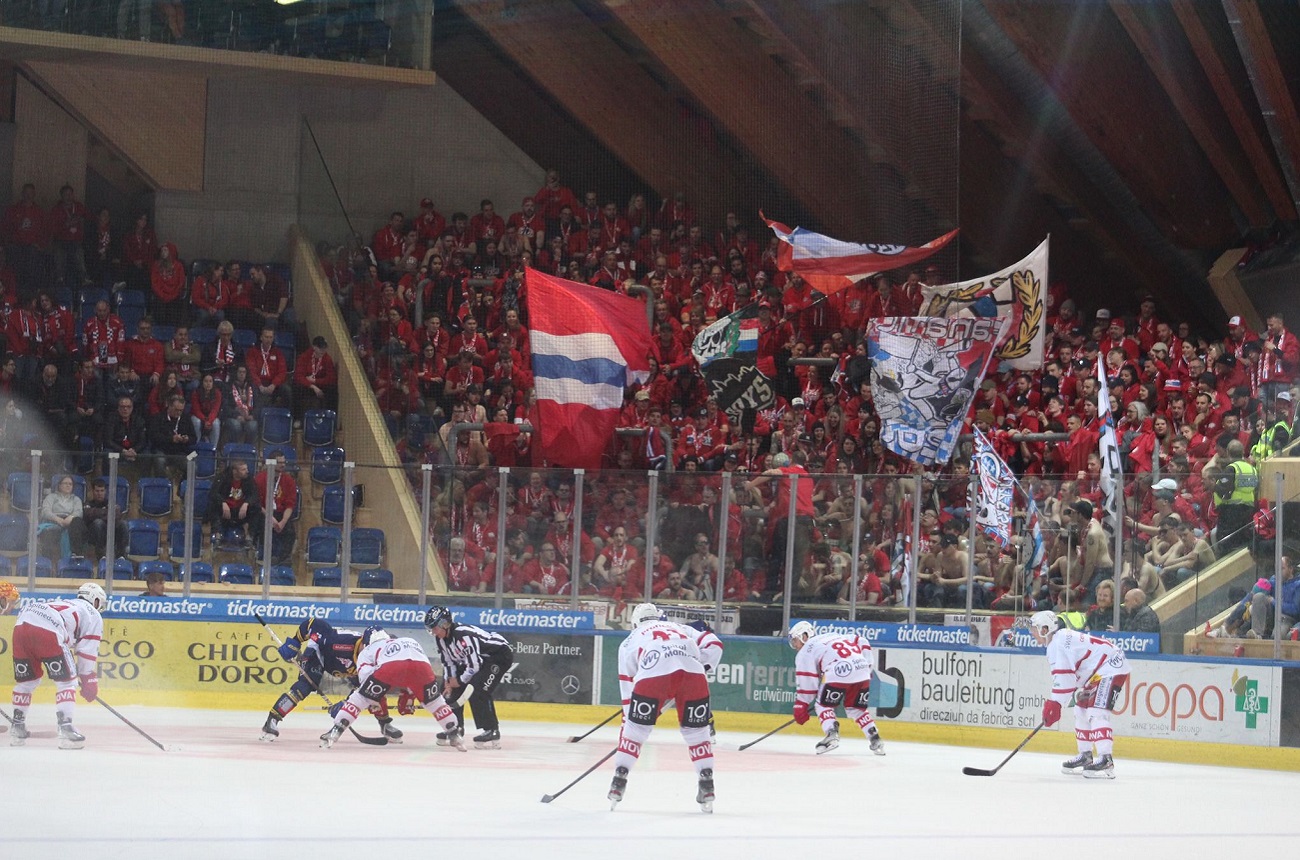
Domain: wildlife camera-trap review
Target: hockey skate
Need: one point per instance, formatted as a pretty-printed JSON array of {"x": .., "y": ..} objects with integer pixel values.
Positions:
[
  {"x": 488, "y": 739},
  {"x": 877, "y": 745},
  {"x": 443, "y": 740},
  {"x": 327, "y": 740},
  {"x": 704, "y": 795},
  {"x": 1101, "y": 768},
  {"x": 1077, "y": 764},
  {"x": 18, "y": 732},
  {"x": 454, "y": 738},
  {"x": 831, "y": 741},
  {"x": 617, "y": 787},
  {"x": 69, "y": 738},
  {"x": 390, "y": 731},
  {"x": 271, "y": 728}
]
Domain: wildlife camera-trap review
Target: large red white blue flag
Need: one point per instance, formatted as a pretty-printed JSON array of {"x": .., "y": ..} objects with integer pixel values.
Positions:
[
  {"x": 831, "y": 265},
  {"x": 588, "y": 345},
  {"x": 996, "y": 484}
]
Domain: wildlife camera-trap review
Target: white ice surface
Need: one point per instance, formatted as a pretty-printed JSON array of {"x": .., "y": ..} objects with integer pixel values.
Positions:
[{"x": 217, "y": 792}]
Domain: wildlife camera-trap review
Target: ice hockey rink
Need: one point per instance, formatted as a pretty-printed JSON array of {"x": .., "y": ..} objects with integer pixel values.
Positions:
[{"x": 218, "y": 792}]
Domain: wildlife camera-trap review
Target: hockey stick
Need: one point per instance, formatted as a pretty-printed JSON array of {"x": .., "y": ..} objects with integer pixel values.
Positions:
[
  {"x": 787, "y": 724},
  {"x": 547, "y": 798},
  {"x": 975, "y": 771},
  {"x": 576, "y": 738},
  {"x": 374, "y": 742},
  {"x": 141, "y": 732}
]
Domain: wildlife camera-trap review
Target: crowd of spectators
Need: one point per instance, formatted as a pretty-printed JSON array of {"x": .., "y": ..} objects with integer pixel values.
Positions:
[
  {"x": 210, "y": 347},
  {"x": 439, "y": 315}
]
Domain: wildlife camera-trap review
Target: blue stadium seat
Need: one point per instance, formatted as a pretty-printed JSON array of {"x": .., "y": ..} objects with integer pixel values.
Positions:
[
  {"x": 163, "y": 567},
  {"x": 327, "y": 465},
  {"x": 244, "y": 339},
  {"x": 130, "y": 315},
  {"x": 232, "y": 451},
  {"x": 327, "y": 577},
  {"x": 44, "y": 567},
  {"x": 282, "y": 574},
  {"x": 237, "y": 574},
  {"x": 18, "y": 486},
  {"x": 203, "y": 336},
  {"x": 13, "y": 534},
  {"x": 287, "y": 343},
  {"x": 155, "y": 497},
  {"x": 205, "y": 464},
  {"x": 200, "y": 571},
  {"x": 163, "y": 332},
  {"x": 277, "y": 426},
  {"x": 123, "y": 496},
  {"x": 379, "y": 578},
  {"x": 230, "y": 539},
  {"x": 143, "y": 540},
  {"x": 331, "y": 508},
  {"x": 368, "y": 546},
  {"x": 75, "y": 568},
  {"x": 83, "y": 461},
  {"x": 91, "y": 296},
  {"x": 318, "y": 427},
  {"x": 122, "y": 569},
  {"x": 129, "y": 299},
  {"x": 176, "y": 539},
  {"x": 201, "y": 266},
  {"x": 323, "y": 545},
  {"x": 202, "y": 487}
]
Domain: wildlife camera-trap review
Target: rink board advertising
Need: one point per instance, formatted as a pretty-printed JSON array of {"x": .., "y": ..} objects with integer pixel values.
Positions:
[
  {"x": 881, "y": 633},
  {"x": 352, "y": 615}
]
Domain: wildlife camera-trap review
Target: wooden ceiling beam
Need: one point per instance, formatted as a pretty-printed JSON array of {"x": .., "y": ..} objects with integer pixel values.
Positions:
[
  {"x": 1081, "y": 52},
  {"x": 793, "y": 139},
  {"x": 1185, "y": 91},
  {"x": 620, "y": 103},
  {"x": 1273, "y": 84},
  {"x": 1246, "y": 131}
]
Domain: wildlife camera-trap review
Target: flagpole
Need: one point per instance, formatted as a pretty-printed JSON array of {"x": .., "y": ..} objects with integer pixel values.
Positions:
[
  {"x": 914, "y": 551},
  {"x": 857, "y": 547},
  {"x": 970, "y": 544},
  {"x": 1118, "y": 549}
]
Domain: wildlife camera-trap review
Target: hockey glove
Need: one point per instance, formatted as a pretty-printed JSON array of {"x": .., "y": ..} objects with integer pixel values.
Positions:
[
  {"x": 89, "y": 687},
  {"x": 1051, "y": 712},
  {"x": 801, "y": 712},
  {"x": 335, "y": 708},
  {"x": 406, "y": 703},
  {"x": 289, "y": 650}
]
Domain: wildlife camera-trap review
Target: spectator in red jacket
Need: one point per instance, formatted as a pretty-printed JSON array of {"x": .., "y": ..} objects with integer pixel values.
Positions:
[
  {"x": 486, "y": 226},
  {"x": 104, "y": 338},
  {"x": 315, "y": 379},
  {"x": 553, "y": 196},
  {"x": 387, "y": 244},
  {"x": 25, "y": 231},
  {"x": 68, "y": 236},
  {"x": 139, "y": 250},
  {"x": 167, "y": 284},
  {"x": 58, "y": 332},
  {"x": 269, "y": 370},
  {"x": 145, "y": 354}
]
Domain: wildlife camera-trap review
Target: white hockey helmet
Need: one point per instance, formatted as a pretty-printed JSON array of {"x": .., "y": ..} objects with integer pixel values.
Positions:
[
  {"x": 801, "y": 631},
  {"x": 93, "y": 594},
  {"x": 645, "y": 612},
  {"x": 1045, "y": 622}
]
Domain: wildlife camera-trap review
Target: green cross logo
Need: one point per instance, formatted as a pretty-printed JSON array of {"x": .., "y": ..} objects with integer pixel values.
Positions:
[{"x": 1249, "y": 701}]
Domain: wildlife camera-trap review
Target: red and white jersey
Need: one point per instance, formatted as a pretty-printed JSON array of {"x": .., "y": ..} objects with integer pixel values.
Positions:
[
  {"x": 710, "y": 648},
  {"x": 840, "y": 658},
  {"x": 78, "y": 625},
  {"x": 655, "y": 649},
  {"x": 376, "y": 654},
  {"x": 1079, "y": 660}
]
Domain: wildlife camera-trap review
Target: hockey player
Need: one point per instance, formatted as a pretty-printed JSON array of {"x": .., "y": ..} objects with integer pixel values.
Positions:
[
  {"x": 317, "y": 647},
  {"x": 472, "y": 658},
  {"x": 657, "y": 662},
  {"x": 710, "y": 654},
  {"x": 1093, "y": 671},
  {"x": 63, "y": 636},
  {"x": 385, "y": 664},
  {"x": 833, "y": 669}
]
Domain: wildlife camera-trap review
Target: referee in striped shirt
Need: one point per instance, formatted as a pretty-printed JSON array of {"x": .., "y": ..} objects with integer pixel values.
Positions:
[{"x": 471, "y": 657}]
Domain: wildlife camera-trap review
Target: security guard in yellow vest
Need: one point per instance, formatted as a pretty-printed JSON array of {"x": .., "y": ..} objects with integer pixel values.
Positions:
[
  {"x": 1236, "y": 493},
  {"x": 1278, "y": 434}
]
